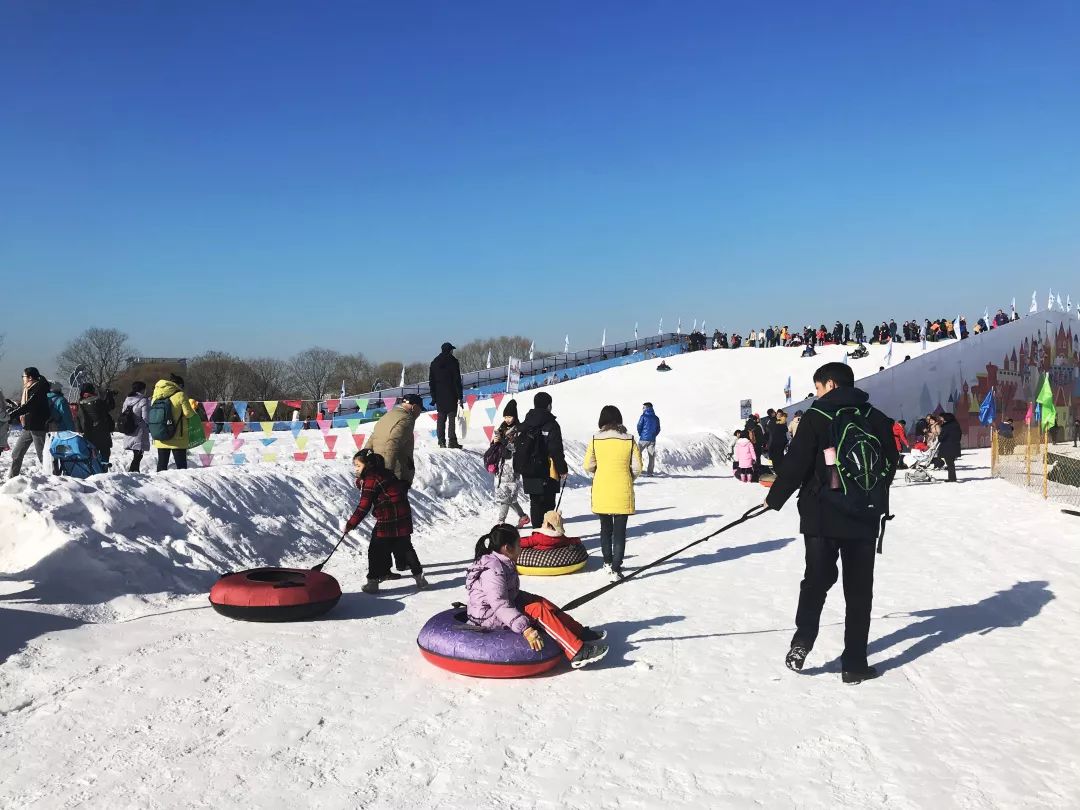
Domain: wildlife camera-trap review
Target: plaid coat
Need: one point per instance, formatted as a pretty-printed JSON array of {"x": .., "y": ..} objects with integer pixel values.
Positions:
[{"x": 383, "y": 493}]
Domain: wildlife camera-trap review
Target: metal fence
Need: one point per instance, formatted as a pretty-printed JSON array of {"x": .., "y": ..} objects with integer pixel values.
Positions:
[{"x": 1030, "y": 459}]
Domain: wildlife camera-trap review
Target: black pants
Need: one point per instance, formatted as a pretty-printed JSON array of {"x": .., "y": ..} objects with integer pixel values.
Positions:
[
  {"x": 179, "y": 456},
  {"x": 380, "y": 551},
  {"x": 447, "y": 418},
  {"x": 950, "y": 465},
  {"x": 821, "y": 574},
  {"x": 136, "y": 460},
  {"x": 542, "y": 502},
  {"x": 613, "y": 539}
]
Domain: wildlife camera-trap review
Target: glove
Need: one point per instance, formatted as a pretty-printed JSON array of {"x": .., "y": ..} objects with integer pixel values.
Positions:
[{"x": 535, "y": 642}]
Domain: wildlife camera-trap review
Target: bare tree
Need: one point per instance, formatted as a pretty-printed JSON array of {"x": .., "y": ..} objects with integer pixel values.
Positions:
[
  {"x": 262, "y": 378},
  {"x": 356, "y": 372},
  {"x": 103, "y": 353},
  {"x": 388, "y": 374},
  {"x": 313, "y": 371},
  {"x": 213, "y": 375},
  {"x": 473, "y": 355},
  {"x": 416, "y": 373}
]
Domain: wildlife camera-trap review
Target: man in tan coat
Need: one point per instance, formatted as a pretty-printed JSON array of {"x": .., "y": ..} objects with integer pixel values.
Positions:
[{"x": 393, "y": 437}]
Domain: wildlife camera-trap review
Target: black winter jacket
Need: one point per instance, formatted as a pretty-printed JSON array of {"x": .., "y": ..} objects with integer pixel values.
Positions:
[
  {"x": 804, "y": 468},
  {"x": 35, "y": 412},
  {"x": 547, "y": 423},
  {"x": 444, "y": 379},
  {"x": 950, "y": 438},
  {"x": 94, "y": 421}
]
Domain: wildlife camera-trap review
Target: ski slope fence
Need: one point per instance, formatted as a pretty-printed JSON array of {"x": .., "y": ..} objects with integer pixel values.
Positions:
[{"x": 1032, "y": 461}]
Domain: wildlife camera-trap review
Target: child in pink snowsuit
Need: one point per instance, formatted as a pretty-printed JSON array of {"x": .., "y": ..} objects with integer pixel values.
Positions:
[{"x": 746, "y": 457}]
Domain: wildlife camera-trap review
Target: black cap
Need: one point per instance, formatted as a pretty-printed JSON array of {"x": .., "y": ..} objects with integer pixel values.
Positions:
[
  {"x": 448, "y": 346},
  {"x": 414, "y": 399}
]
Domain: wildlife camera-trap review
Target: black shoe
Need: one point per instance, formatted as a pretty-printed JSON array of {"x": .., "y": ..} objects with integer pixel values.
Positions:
[
  {"x": 442, "y": 445},
  {"x": 858, "y": 675},
  {"x": 389, "y": 576},
  {"x": 590, "y": 636},
  {"x": 456, "y": 447},
  {"x": 588, "y": 654},
  {"x": 796, "y": 657}
]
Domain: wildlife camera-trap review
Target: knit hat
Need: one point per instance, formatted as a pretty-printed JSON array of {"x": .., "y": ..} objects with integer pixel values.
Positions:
[{"x": 511, "y": 409}]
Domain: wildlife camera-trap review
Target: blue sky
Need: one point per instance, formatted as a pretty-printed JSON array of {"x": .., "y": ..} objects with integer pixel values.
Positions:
[{"x": 258, "y": 177}]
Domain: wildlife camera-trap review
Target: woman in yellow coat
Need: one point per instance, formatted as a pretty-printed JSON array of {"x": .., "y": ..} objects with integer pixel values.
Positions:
[
  {"x": 177, "y": 445},
  {"x": 614, "y": 458}
]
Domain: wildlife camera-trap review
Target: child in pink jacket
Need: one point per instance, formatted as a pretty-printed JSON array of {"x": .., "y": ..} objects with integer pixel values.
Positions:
[{"x": 745, "y": 456}]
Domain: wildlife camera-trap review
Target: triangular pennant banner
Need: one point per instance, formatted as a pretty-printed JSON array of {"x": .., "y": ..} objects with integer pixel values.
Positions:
[
  {"x": 498, "y": 400},
  {"x": 389, "y": 402},
  {"x": 332, "y": 405},
  {"x": 301, "y": 442},
  {"x": 206, "y": 459},
  {"x": 299, "y": 456},
  {"x": 269, "y": 457},
  {"x": 271, "y": 407},
  {"x": 241, "y": 410},
  {"x": 434, "y": 434},
  {"x": 331, "y": 440},
  {"x": 491, "y": 413},
  {"x": 354, "y": 425},
  {"x": 267, "y": 442},
  {"x": 489, "y": 431},
  {"x": 208, "y": 429},
  {"x": 434, "y": 416},
  {"x": 208, "y": 409},
  {"x": 268, "y": 427},
  {"x": 296, "y": 428},
  {"x": 237, "y": 444},
  {"x": 324, "y": 425},
  {"x": 329, "y": 454},
  {"x": 237, "y": 428},
  {"x": 239, "y": 458},
  {"x": 361, "y": 405},
  {"x": 292, "y": 403},
  {"x": 470, "y": 400},
  {"x": 358, "y": 439},
  {"x": 208, "y": 446}
]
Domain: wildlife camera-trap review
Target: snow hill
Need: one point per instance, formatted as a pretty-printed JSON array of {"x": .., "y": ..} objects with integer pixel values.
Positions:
[{"x": 119, "y": 687}]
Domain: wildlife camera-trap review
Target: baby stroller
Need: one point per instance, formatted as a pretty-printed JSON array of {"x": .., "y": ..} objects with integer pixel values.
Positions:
[
  {"x": 921, "y": 460},
  {"x": 74, "y": 455}
]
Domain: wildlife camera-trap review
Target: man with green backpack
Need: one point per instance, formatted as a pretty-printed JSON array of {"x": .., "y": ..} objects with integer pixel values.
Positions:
[
  {"x": 170, "y": 418},
  {"x": 842, "y": 460}
]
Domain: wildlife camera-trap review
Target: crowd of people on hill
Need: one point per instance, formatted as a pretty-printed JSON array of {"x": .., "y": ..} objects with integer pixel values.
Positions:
[{"x": 845, "y": 333}]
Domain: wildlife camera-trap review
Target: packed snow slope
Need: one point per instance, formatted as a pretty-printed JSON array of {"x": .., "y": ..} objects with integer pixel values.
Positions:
[{"x": 120, "y": 687}]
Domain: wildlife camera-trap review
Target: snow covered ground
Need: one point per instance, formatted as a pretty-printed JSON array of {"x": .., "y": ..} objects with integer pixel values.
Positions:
[{"x": 120, "y": 687}]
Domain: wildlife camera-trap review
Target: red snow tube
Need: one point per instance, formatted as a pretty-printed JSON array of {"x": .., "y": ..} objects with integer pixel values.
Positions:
[{"x": 275, "y": 594}]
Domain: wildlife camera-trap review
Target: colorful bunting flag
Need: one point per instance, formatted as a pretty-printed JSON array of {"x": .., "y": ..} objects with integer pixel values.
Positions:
[
  {"x": 239, "y": 458},
  {"x": 267, "y": 442},
  {"x": 332, "y": 405},
  {"x": 208, "y": 446},
  {"x": 267, "y": 427},
  {"x": 208, "y": 409},
  {"x": 269, "y": 457},
  {"x": 295, "y": 404},
  {"x": 208, "y": 429},
  {"x": 299, "y": 456},
  {"x": 358, "y": 440},
  {"x": 354, "y": 425},
  {"x": 237, "y": 428},
  {"x": 491, "y": 413},
  {"x": 296, "y": 428},
  {"x": 470, "y": 400},
  {"x": 324, "y": 425},
  {"x": 361, "y": 405},
  {"x": 329, "y": 455},
  {"x": 331, "y": 440},
  {"x": 498, "y": 400},
  {"x": 241, "y": 409},
  {"x": 206, "y": 459},
  {"x": 301, "y": 442},
  {"x": 489, "y": 431},
  {"x": 237, "y": 444},
  {"x": 271, "y": 407},
  {"x": 389, "y": 402}
]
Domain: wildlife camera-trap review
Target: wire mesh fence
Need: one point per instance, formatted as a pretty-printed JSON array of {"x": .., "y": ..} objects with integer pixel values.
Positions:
[{"x": 1031, "y": 459}]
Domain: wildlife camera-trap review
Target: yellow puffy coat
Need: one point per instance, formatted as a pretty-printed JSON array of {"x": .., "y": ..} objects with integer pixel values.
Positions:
[
  {"x": 181, "y": 411},
  {"x": 615, "y": 459}
]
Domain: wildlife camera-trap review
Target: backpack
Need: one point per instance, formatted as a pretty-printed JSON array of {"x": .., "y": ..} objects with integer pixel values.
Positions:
[
  {"x": 861, "y": 490},
  {"x": 161, "y": 422},
  {"x": 531, "y": 454},
  {"x": 128, "y": 426},
  {"x": 493, "y": 458}
]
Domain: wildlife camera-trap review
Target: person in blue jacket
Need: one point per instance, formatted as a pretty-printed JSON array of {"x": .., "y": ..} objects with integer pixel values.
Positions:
[
  {"x": 648, "y": 428},
  {"x": 60, "y": 418}
]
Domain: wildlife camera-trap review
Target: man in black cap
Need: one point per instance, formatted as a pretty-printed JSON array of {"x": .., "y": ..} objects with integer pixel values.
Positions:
[{"x": 444, "y": 380}]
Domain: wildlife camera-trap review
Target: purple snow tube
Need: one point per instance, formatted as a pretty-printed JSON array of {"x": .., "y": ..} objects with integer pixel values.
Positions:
[{"x": 447, "y": 642}]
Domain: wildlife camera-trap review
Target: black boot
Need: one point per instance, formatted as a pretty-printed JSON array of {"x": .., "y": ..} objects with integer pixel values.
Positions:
[{"x": 859, "y": 675}]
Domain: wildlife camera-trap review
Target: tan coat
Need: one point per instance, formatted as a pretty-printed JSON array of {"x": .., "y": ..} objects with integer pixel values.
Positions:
[{"x": 393, "y": 440}]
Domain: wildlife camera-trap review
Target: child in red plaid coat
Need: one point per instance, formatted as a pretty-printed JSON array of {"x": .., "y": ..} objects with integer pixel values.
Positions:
[{"x": 382, "y": 493}]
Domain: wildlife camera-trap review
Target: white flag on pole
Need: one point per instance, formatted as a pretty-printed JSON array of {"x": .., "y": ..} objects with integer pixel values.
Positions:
[
  {"x": 635, "y": 330},
  {"x": 489, "y": 359},
  {"x": 956, "y": 327},
  {"x": 694, "y": 328},
  {"x": 678, "y": 329},
  {"x": 1061, "y": 308},
  {"x": 1014, "y": 305},
  {"x": 603, "y": 339},
  {"x": 532, "y": 348},
  {"x": 986, "y": 317},
  {"x": 1068, "y": 303},
  {"x": 402, "y": 383},
  {"x": 660, "y": 328},
  {"x": 923, "y": 333},
  {"x": 888, "y": 355},
  {"x": 703, "y": 326},
  {"x": 566, "y": 345},
  {"x": 1034, "y": 303},
  {"x": 1050, "y": 300}
]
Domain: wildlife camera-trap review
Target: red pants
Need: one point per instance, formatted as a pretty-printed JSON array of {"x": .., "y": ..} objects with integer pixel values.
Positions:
[{"x": 560, "y": 626}]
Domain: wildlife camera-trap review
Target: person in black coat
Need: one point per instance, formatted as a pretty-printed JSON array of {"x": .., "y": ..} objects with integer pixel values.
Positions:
[
  {"x": 35, "y": 414},
  {"x": 542, "y": 489},
  {"x": 444, "y": 382},
  {"x": 829, "y": 530},
  {"x": 94, "y": 421},
  {"x": 778, "y": 439},
  {"x": 949, "y": 449}
]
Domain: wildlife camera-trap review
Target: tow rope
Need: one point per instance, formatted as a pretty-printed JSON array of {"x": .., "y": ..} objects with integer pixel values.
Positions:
[{"x": 756, "y": 511}]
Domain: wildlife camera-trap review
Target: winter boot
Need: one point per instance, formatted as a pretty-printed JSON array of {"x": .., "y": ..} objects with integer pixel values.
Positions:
[
  {"x": 590, "y": 636},
  {"x": 588, "y": 654},
  {"x": 796, "y": 657},
  {"x": 525, "y": 521},
  {"x": 371, "y": 586},
  {"x": 390, "y": 576},
  {"x": 858, "y": 675},
  {"x": 421, "y": 583}
]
